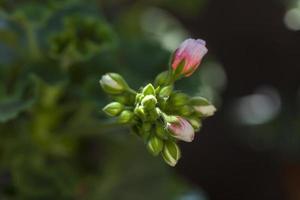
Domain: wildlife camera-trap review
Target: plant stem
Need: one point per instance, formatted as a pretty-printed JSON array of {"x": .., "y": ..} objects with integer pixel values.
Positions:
[{"x": 131, "y": 91}]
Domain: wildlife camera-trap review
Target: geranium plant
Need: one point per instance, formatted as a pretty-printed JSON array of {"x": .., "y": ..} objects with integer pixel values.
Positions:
[{"x": 158, "y": 113}]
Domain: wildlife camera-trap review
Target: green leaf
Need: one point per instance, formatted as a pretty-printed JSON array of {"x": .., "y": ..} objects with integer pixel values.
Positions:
[
  {"x": 11, "y": 108},
  {"x": 21, "y": 99}
]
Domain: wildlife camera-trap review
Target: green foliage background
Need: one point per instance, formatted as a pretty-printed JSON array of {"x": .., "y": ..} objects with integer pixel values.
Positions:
[{"x": 54, "y": 142}]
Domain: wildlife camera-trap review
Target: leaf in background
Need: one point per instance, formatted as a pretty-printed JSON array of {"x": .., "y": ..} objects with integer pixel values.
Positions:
[
  {"x": 11, "y": 108},
  {"x": 20, "y": 100}
]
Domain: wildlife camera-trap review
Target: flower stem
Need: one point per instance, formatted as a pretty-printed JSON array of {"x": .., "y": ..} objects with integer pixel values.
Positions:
[{"x": 131, "y": 91}]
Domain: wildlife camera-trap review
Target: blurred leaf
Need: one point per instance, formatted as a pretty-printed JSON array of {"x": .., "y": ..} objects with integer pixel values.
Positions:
[
  {"x": 22, "y": 98},
  {"x": 10, "y": 109}
]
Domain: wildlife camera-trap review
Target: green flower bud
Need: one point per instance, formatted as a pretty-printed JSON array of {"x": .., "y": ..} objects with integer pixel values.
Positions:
[
  {"x": 113, "y": 83},
  {"x": 139, "y": 111},
  {"x": 166, "y": 91},
  {"x": 155, "y": 145},
  {"x": 170, "y": 118},
  {"x": 145, "y": 135},
  {"x": 196, "y": 123},
  {"x": 149, "y": 102},
  {"x": 199, "y": 101},
  {"x": 162, "y": 78},
  {"x": 179, "y": 99},
  {"x": 149, "y": 90},
  {"x": 161, "y": 132},
  {"x": 171, "y": 153},
  {"x": 157, "y": 89},
  {"x": 139, "y": 97},
  {"x": 125, "y": 117},
  {"x": 113, "y": 109},
  {"x": 146, "y": 126},
  {"x": 154, "y": 114},
  {"x": 186, "y": 110}
]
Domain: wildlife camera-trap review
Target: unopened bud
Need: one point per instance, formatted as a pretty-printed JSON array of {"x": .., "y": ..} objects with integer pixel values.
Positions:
[
  {"x": 182, "y": 130},
  {"x": 149, "y": 90},
  {"x": 161, "y": 131},
  {"x": 139, "y": 111},
  {"x": 149, "y": 102},
  {"x": 205, "y": 111},
  {"x": 139, "y": 97},
  {"x": 188, "y": 56},
  {"x": 125, "y": 117},
  {"x": 154, "y": 114},
  {"x": 162, "y": 78},
  {"x": 199, "y": 101},
  {"x": 155, "y": 145},
  {"x": 166, "y": 91},
  {"x": 171, "y": 153},
  {"x": 186, "y": 110},
  {"x": 146, "y": 126},
  {"x": 196, "y": 123},
  {"x": 113, "y": 83},
  {"x": 202, "y": 106},
  {"x": 179, "y": 99},
  {"x": 113, "y": 109}
]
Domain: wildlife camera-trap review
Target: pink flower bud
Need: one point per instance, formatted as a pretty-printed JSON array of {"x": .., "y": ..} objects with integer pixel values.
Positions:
[
  {"x": 182, "y": 130},
  {"x": 189, "y": 53}
]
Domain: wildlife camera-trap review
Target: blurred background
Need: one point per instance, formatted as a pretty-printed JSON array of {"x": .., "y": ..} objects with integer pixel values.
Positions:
[{"x": 55, "y": 144}]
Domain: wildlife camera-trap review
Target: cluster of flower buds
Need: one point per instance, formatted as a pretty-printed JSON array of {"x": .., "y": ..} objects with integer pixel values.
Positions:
[{"x": 157, "y": 113}]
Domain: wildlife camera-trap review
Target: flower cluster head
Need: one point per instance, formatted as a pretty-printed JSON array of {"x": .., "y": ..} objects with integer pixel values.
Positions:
[{"x": 157, "y": 113}]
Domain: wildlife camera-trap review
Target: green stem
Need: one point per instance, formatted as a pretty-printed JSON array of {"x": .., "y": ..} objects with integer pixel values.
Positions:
[{"x": 131, "y": 91}]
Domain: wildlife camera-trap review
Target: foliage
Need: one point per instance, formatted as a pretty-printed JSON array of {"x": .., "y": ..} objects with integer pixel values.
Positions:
[{"x": 54, "y": 143}]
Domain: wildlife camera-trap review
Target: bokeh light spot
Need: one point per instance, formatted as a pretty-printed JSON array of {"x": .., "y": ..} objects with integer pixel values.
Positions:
[
  {"x": 163, "y": 27},
  {"x": 258, "y": 108},
  {"x": 292, "y": 19}
]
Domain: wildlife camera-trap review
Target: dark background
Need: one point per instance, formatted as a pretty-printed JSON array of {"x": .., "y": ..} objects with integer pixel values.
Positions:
[{"x": 255, "y": 48}]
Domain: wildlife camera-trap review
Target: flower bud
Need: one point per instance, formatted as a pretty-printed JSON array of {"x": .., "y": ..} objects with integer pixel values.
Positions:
[
  {"x": 196, "y": 123},
  {"x": 113, "y": 83},
  {"x": 154, "y": 114},
  {"x": 149, "y": 102},
  {"x": 202, "y": 106},
  {"x": 179, "y": 99},
  {"x": 149, "y": 90},
  {"x": 125, "y": 117},
  {"x": 139, "y": 111},
  {"x": 186, "y": 110},
  {"x": 171, "y": 153},
  {"x": 188, "y": 56},
  {"x": 199, "y": 101},
  {"x": 160, "y": 131},
  {"x": 146, "y": 126},
  {"x": 206, "y": 111},
  {"x": 181, "y": 130},
  {"x": 145, "y": 136},
  {"x": 155, "y": 145},
  {"x": 162, "y": 78},
  {"x": 113, "y": 109},
  {"x": 166, "y": 91},
  {"x": 139, "y": 97}
]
